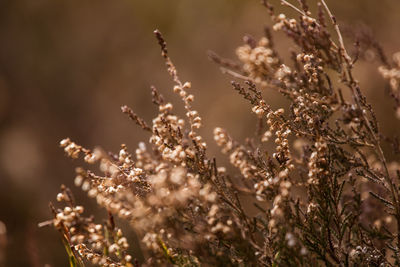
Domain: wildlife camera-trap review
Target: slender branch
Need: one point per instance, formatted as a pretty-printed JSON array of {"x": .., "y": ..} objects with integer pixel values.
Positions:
[
  {"x": 336, "y": 26},
  {"x": 286, "y": 3}
]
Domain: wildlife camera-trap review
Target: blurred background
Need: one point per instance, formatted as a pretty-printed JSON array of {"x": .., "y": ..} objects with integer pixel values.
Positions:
[{"x": 67, "y": 66}]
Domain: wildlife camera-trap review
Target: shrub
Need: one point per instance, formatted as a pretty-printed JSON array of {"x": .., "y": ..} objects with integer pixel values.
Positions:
[{"x": 326, "y": 195}]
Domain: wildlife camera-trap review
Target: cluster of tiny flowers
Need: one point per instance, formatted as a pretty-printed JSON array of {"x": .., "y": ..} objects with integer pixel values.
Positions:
[
  {"x": 191, "y": 114},
  {"x": 167, "y": 127},
  {"x": 217, "y": 224},
  {"x": 237, "y": 154},
  {"x": 277, "y": 211},
  {"x": 90, "y": 239},
  {"x": 144, "y": 160},
  {"x": 275, "y": 123},
  {"x": 259, "y": 61},
  {"x": 317, "y": 158},
  {"x": 311, "y": 66},
  {"x": 393, "y": 75},
  {"x": 73, "y": 150},
  {"x": 282, "y": 22},
  {"x": 307, "y": 106},
  {"x": 282, "y": 153},
  {"x": 306, "y": 23},
  {"x": 277, "y": 214},
  {"x": 263, "y": 186},
  {"x": 171, "y": 188},
  {"x": 283, "y": 74}
]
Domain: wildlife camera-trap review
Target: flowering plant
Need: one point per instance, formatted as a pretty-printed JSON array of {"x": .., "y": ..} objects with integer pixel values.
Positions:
[{"x": 326, "y": 195}]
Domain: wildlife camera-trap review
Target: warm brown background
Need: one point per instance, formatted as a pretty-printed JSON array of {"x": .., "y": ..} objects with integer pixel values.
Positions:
[{"x": 67, "y": 66}]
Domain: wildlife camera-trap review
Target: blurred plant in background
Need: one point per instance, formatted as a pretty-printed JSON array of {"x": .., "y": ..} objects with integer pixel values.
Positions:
[{"x": 3, "y": 242}]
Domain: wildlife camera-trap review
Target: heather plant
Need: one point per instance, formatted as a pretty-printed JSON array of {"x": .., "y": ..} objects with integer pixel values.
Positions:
[{"x": 326, "y": 194}]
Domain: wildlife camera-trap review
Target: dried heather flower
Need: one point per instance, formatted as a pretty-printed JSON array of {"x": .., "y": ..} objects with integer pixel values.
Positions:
[{"x": 325, "y": 193}]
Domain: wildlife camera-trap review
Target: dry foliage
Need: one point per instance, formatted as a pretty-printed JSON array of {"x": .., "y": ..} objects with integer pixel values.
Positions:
[{"x": 326, "y": 195}]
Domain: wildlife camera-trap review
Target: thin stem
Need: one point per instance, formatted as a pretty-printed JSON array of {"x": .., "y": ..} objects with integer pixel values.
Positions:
[
  {"x": 336, "y": 26},
  {"x": 236, "y": 75},
  {"x": 286, "y": 3}
]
